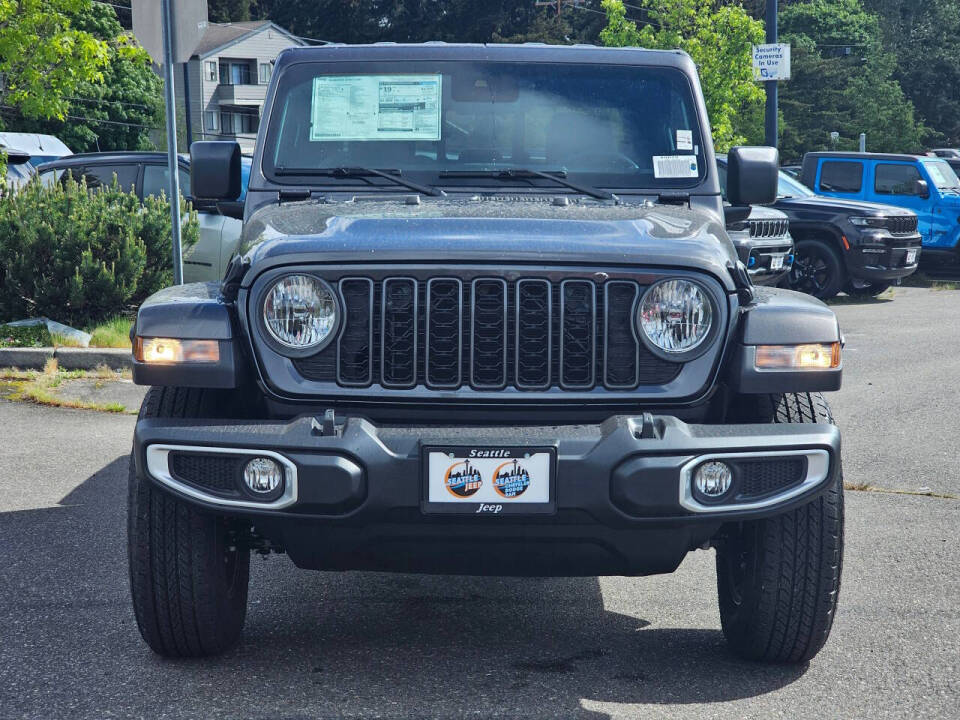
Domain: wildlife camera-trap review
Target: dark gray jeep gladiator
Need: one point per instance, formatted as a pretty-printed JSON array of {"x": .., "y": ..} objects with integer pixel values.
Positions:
[{"x": 485, "y": 318}]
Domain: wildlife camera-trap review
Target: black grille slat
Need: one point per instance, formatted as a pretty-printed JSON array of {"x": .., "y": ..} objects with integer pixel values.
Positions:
[
  {"x": 621, "y": 350},
  {"x": 398, "y": 333},
  {"x": 578, "y": 308},
  {"x": 766, "y": 476},
  {"x": 487, "y": 333},
  {"x": 488, "y": 352},
  {"x": 444, "y": 333},
  {"x": 533, "y": 330},
  {"x": 214, "y": 473},
  {"x": 355, "y": 345}
]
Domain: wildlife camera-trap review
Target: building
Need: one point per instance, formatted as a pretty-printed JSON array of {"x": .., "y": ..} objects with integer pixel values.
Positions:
[{"x": 228, "y": 76}]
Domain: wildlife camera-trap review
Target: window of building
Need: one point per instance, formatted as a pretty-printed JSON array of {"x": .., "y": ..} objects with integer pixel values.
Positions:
[
  {"x": 240, "y": 121},
  {"x": 837, "y": 176},
  {"x": 210, "y": 121},
  {"x": 265, "y": 72},
  {"x": 897, "y": 179},
  {"x": 212, "y": 72},
  {"x": 234, "y": 73}
]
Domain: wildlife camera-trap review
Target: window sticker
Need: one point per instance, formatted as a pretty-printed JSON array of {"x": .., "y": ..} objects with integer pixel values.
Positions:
[
  {"x": 684, "y": 139},
  {"x": 675, "y": 166},
  {"x": 375, "y": 107}
]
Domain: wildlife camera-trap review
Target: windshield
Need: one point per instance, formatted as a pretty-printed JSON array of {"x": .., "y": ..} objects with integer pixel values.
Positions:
[
  {"x": 788, "y": 187},
  {"x": 443, "y": 123},
  {"x": 942, "y": 175}
]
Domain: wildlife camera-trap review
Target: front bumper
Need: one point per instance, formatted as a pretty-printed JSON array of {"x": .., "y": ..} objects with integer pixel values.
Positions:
[
  {"x": 622, "y": 492},
  {"x": 878, "y": 257}
]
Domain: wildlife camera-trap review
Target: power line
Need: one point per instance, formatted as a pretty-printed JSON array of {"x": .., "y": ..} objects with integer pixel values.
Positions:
[{"x": 113, "y": 5}]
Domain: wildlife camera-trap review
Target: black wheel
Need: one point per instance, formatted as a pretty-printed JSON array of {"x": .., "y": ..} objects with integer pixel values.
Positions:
[
  {"x": 863, "y": 289},
  {"x": 778, "y": 579},
  {"x": 187, "y": 577},
  {"x": 817, "y": 270}
]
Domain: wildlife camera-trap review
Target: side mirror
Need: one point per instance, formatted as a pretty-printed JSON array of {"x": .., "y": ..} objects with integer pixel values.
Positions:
[
  {"x": 921, "y": 189},
  {"x": 215, "y": 170},
  {"x": 752, "y": 175}
]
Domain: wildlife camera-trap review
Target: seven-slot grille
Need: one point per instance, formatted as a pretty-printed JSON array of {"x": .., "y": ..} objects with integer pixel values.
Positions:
[
  {"x": 488, "y": 334},
  {"x": 902, "y": 224},
  {"x": 769, "y": 228}
]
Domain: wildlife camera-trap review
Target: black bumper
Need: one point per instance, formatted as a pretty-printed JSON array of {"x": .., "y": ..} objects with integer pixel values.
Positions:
[
  {"x": 882, "y": 257},
  {"x": 621, "y": 506}
]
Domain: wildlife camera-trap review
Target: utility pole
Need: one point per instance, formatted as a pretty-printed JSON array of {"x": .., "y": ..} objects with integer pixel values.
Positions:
[
  {"x": 555, "y": 3},
  {"x": 172, "y": 162},
  {"x": 772, "y": 134}
]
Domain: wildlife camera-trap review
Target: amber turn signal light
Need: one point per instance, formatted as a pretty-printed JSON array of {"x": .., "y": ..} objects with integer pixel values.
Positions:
[
  {"x": 160, "y": 351},
  {"x": 819, "y": 356}
]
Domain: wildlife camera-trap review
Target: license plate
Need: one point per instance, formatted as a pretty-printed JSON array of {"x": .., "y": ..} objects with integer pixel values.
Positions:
[
  {"x": 776, "y": 262},
  {"x": 911, "y": 257},
  {"x": 488, "y": 480}
]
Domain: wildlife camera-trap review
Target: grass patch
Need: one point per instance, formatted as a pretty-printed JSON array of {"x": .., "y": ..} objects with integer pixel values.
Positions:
[
  {"x": 114, "y": 333},
  {"x": 39, "y": 386}
]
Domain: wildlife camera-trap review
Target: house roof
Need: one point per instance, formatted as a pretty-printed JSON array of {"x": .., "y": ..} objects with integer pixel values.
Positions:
[{"x": 219, "y": 36}]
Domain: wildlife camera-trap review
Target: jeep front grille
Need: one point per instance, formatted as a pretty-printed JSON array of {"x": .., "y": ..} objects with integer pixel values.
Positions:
[
  {"x": 769, "y": 228},
  {"x": 488, "y": 334},
  {"x": 902, "y": 224}
]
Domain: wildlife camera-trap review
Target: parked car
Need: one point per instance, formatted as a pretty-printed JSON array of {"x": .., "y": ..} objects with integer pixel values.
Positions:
[
  {"x": 927, "y": 186},
  {"x": 762, "y": 238},
  {"x": 446, "y": 349},
  {"x": 146, "y": 174},
  {"x": 947, "y": 153},
  {"x": 18, "y": 168},
  {"x": 37, "y": 147},
  {"x": 851, "y": 245}
]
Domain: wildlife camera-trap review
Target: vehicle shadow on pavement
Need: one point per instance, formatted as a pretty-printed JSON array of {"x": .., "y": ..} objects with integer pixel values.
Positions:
[{"x": 322, "y": 644}]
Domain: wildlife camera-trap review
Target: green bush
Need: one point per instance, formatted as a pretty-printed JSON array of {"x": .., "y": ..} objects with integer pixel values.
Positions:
[{"x": 80, "y": 256}]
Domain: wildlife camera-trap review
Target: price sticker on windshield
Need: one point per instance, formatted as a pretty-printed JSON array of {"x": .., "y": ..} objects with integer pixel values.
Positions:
[{"x": 675, "y": 166}]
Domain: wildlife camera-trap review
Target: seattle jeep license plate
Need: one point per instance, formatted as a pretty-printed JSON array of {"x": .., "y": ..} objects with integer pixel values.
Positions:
[
  {"x": 776, "y": 262},
  {"x": 911, "y": 257},
  {"x": 488, "y": 480}
]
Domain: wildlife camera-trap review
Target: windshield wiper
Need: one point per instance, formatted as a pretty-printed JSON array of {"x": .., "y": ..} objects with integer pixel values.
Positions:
[
  {"x": 558, "y": 176},
  {"x": 361, "y": 172}
]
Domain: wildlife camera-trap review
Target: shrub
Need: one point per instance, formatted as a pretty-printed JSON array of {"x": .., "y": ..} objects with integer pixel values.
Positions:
[{"x": 79, "y": 256}]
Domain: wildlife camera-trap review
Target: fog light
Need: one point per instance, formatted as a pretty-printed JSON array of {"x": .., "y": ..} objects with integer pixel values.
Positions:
[
  {"x": 162, "y": 351},
  {"x": 263, "y": 475},
  {"x": 820, "y": 356},
  {"x": 713, "y": 479}
]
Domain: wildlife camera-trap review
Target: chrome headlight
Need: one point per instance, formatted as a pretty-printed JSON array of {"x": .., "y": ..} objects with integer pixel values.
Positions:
[
  {"x": 301, "y": 312},
  {"x": 675, "y": 318}
]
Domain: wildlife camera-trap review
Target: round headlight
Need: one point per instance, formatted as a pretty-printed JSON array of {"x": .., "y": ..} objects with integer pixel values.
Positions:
[
  {"x": 675, "y": 316},
  {"x": 300, "y": 312}
]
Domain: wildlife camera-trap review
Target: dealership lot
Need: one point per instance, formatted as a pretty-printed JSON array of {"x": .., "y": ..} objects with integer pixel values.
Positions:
[{"x": 367, "y": 645}]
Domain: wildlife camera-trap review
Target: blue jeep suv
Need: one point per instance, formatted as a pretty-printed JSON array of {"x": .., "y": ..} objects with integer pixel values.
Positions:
[{"x": 926, "y": 185}]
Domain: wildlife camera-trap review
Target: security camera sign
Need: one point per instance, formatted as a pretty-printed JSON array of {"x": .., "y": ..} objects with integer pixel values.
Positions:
[{"x": 771, "y": 62}]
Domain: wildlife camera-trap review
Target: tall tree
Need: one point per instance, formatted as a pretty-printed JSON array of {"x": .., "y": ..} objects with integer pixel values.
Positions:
[
  {"x": 925, "y": 36},
  {"x": 224, "y": 11},
  {"x": 43, "y": 57},
  {"x": 718, "y": 38},
  {"x": 842, "y": 81},
  {"x": 116, "y": 113}
]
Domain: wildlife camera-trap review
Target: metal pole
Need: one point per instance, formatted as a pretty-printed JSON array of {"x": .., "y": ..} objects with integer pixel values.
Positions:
[
  {"x": 863, "y": 142},
  {"x": 772, "y": 100},
  {"x": 172, "y": 165},
  {"x": 186, "y": 104}
]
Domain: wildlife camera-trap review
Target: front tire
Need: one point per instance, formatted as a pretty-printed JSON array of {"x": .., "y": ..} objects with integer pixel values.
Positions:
[
  {"x": 778, "y": 579},
  {"x": 188, "y": 577},
  {"x": 817, "y": 270}
]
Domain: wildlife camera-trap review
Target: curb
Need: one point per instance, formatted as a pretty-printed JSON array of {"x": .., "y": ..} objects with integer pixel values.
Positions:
[{"x": 67, "y": 358}]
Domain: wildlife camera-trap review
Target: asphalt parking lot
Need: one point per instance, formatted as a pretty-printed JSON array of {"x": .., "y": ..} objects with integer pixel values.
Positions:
[{"x": 370, "y": 645}]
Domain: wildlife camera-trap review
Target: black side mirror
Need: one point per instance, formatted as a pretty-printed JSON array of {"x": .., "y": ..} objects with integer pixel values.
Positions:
[
  {"x": 921, "y": 188},
  {"x": 752, "y": 175},
  {"x": 215, "y": 170}
]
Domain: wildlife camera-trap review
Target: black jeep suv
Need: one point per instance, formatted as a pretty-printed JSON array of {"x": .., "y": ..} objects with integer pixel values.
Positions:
[{"x": 486, "y": 319}]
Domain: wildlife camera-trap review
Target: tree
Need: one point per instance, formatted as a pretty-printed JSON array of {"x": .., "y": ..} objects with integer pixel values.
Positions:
[
  {"x": 925, "y": 36},
  {"x": 842, "y": 81},
  {"x": 228, "y": 10},
  {"x": 43, "y": 58},
  {"x": 718, "y": 38},
  {"x": 117, "y": 113}
]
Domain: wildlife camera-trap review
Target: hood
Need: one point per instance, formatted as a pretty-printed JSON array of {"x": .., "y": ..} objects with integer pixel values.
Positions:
[
  {"x": 504, "y": 229},
  {"x": 821, "y": 202}
]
